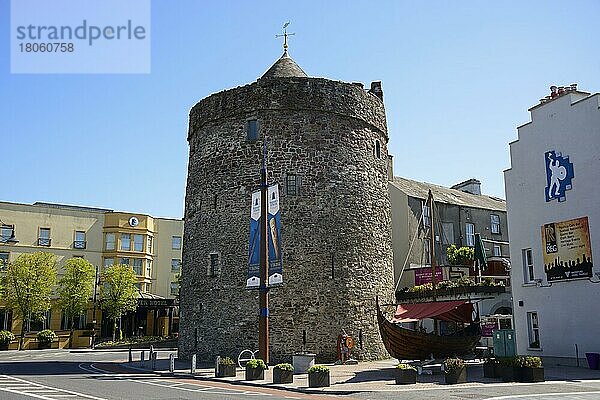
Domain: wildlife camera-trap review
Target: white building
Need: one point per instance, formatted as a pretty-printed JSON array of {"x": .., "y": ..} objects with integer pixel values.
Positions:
[{"x": 552, "y": 193}]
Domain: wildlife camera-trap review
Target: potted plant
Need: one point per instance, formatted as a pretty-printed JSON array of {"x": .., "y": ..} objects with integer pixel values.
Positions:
[
  {"x": 5, "y": 338},
  {"x": 318, "y": 376},
  {"x": 508, "y": 369},
  {"x": 283, "y": 373},
  {"x": 491, "y": 368},
  {"x": 405, "y": 374},
  {"x": 225, "y": 368},
  {"x": 255, "y": 369},
  {"x": 45, "y": 338},
  {"x": 530, "y": 369},
  {"x": 455, "y": 371}
]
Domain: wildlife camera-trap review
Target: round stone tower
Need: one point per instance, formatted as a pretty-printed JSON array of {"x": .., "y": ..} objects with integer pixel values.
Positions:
[{"x": 327, "y": 149}]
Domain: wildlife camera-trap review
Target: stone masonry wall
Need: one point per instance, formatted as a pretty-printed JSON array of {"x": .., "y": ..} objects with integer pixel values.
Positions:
[{"x": 336, "y": 232}]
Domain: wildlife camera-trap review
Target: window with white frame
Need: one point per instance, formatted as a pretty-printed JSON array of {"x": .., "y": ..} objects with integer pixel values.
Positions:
[
  {"x": 7, "y": 232},
  {"x": 533, "y": 330},
  {"x": 149, "y": 245},
  {"x": 125, "y": 261},
  {"x": 78, "y": 321},
  {"x": 176, "y": 242},
  {"x": 44, "y": 237},
  {"x": 497, "y": 250},
  {"x": 470, "y": 234},
  {"x": 528, "y": 275},
  {"x": 109, "y": 241},
  {"x": 495, "y": 223},
  {"x": 148, "y": 267},
  {"x": 125, "y": 241},
  {"x": 138, "y": 266},
  {"x": 79, "y": 242},
  {"x": 108, "y": 261},
  {"x": 291, "y": 184},
  {"x": 138, "y": 242},
  {"x": 174, "y": 288},
  {"x": 175, "y": 265}
]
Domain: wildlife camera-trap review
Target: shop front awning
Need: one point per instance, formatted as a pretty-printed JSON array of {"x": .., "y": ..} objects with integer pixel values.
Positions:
[{"x": 455, "y": 311}]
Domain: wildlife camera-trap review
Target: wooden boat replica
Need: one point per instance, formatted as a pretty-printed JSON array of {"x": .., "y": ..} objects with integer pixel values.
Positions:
[{"x": 408, "y": 344}]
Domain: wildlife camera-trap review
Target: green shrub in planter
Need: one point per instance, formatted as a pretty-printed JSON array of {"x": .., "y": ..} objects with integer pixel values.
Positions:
[
  {"x": 405, "y": 374},
  {"x": 226, "y": 368},
  {"x": 255, "y": 369},
  {"x": 529, "y": 369},
  {"x": 283, "y": 373},
  {"x": 45, "y": 338},
  {"x": 318, "y": 376},
  {"x": 5, "y": 338},
  {"x": 455, "y": 371},
  {"x": 509, "y": 371}
]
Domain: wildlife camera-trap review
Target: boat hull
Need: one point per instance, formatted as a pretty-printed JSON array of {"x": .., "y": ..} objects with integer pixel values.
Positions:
[{"x": 406, "y": 344}]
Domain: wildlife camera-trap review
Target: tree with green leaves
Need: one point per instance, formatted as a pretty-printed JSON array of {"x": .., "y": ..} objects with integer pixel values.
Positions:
[
  {"x": 118, "y": 294},
  {"x": 75, "y": 289},
  {"x": 28, "y": 284}
]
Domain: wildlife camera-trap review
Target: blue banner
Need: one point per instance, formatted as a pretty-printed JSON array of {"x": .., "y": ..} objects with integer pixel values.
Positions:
[
  {"x": 253, "y": 280},
  {"x": 274, "y": 234}
]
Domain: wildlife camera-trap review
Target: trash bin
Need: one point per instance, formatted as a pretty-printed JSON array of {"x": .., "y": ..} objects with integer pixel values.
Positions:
[{"x": 593, "y": 360}]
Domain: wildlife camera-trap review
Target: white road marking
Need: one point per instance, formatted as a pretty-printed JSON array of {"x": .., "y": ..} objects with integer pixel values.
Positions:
[
  {"x": 522, "y": 396},
  {"x": 14, "y": 385}
]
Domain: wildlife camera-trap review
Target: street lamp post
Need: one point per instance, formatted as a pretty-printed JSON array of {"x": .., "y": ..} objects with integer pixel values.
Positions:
[{"x": 94, "y": 310}]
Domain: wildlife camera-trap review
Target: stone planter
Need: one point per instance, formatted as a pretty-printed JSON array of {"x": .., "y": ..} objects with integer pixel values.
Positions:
[
  {"x": 528, "y": 374},
  {"x": 225, "y": 371},
  {"x": 458, "y": 376},
  {"x": 282, "y": 376},
  {"x": 318, "y": 379},
  {"x": 255, "y": 374},
  {"x": 405, "y": 376},
  {"x": 491, "y": 370},
  {"x": 302, "y": 362}
]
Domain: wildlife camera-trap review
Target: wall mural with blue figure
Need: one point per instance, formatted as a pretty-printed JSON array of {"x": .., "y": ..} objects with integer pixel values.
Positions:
[{"x": 559, "y": 173}]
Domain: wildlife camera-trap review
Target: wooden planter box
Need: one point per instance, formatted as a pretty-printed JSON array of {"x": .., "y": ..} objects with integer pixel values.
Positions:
[
  {"x": 226, "y": 371},
  {"x": 491, "y": 370},
  {"x": 406, "y": 376},
  {"x": 458, "y": 376},
  {"x": 318, "y": 379},
  {"x": 529, "y": 375},
  {"x": 510, "y": 374},
  {"x": 281, "y": 376},
  {"x": 44, "y": 345},
  {"x": 255, "y": 374}
]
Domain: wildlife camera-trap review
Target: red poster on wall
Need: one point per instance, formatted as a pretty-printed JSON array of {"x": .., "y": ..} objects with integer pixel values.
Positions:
[{"x": 423, "y": 276}]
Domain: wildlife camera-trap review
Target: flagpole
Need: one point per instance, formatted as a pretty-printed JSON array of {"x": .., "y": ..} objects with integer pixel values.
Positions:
[{"x": 263, "y": 327}]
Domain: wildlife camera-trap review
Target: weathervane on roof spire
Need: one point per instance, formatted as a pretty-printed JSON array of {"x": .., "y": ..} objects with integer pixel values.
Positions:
[{"x": 285, "y": 36}]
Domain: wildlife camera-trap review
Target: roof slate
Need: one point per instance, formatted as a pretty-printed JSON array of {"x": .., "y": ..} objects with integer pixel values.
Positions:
[{"x": 445, "y": 195}]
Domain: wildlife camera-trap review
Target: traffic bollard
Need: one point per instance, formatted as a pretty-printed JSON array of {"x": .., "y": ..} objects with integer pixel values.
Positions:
[
  {"x": 153, "y": 356},
  {"x": 193, "y": 369},
  {"x": 130, "y": 356},
  {"x": 142, "y": 359},
  {"x": 171, "y": 362}
]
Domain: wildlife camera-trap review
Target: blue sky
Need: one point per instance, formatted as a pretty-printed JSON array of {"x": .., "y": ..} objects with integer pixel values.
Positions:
[{"x": 458, "y": 77}]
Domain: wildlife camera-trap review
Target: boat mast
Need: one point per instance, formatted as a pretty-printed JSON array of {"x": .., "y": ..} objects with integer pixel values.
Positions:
[{"x": 432, "y": 238}]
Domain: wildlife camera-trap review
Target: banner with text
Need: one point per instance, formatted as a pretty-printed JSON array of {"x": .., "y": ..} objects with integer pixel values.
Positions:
[
  {"x": 567, "y": 250},
  {"x": 253, "y": 280},
  {"x": 274, "y": 234}
]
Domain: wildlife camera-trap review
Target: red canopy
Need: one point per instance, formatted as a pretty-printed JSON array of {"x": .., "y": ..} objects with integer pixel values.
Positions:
[{"x": 455, "y": 311}]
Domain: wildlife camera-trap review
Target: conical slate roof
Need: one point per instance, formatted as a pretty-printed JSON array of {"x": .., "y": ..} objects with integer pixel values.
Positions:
[{"x": 285, "y": 67}]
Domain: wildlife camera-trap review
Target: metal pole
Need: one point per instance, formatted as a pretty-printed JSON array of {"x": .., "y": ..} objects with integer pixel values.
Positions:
[
  {"x": 193, "y": 366},
  {"x": 432, "y": 253},
  {"x": 94, "y": 310},
  {"x": 263, "y": 327}
]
